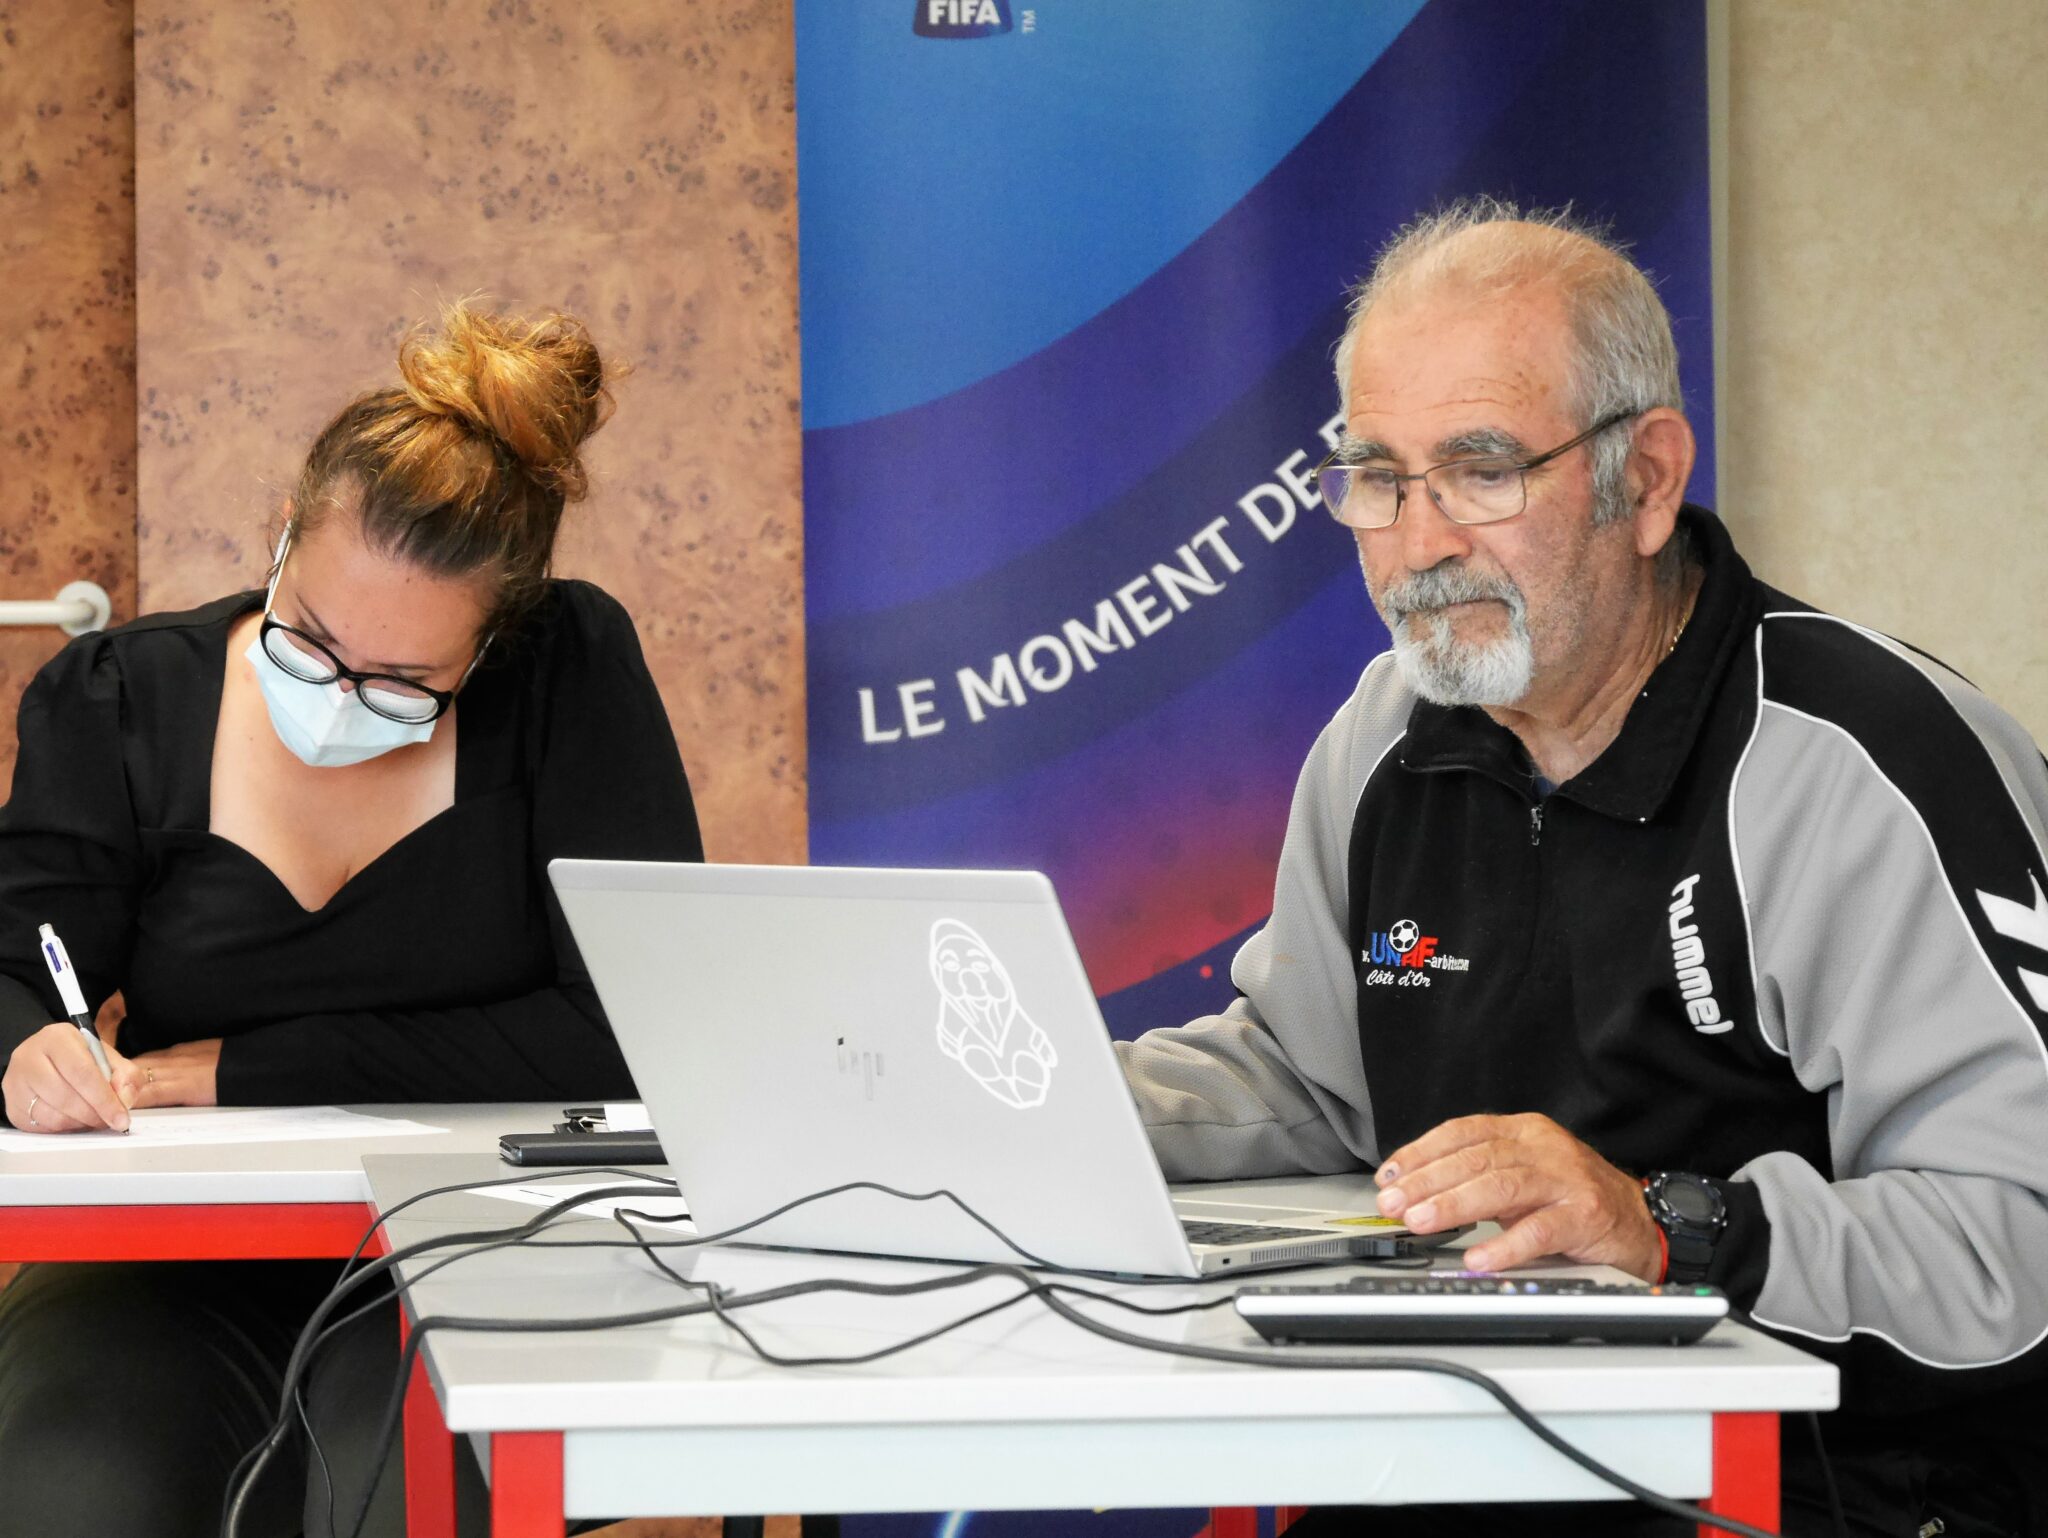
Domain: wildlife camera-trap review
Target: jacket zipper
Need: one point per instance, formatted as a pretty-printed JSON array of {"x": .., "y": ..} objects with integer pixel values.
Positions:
[{"x": 1535, "y": 824}]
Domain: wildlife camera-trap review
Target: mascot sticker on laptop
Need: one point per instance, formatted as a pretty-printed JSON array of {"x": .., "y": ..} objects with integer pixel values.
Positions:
[{"x": 982, "y": 1027}]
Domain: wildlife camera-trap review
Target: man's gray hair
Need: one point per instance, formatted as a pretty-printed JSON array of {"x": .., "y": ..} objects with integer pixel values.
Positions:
[{"x": 1624, "y": 361}]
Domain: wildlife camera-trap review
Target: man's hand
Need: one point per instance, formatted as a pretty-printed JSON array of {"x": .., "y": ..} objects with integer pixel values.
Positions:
[
  {"x": 53, "y": 1085},
  {"x": 1550, "y": 1193},
  {"x": 180, "y": 1075}
]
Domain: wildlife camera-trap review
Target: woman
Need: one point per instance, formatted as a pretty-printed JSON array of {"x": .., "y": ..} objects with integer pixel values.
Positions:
[{"x": 303, "y": 835}]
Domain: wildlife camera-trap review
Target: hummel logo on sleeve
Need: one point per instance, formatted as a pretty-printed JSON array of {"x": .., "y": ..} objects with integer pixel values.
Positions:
[
  {"x": 2029, "y": 926},
  {"x": 1689, "y": 956}
]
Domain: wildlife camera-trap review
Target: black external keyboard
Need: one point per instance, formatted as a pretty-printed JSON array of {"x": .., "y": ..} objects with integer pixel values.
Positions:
[
  {"x": 1476, "y": 1307},
  {"x": 1199, "y": 1232}
]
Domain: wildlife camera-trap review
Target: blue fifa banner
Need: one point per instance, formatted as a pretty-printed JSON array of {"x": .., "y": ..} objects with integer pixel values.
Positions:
[{"x": 1072, "y": 274}]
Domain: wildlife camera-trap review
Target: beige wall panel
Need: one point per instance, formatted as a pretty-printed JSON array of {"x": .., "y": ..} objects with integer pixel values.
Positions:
[
  {"x": 314, "y": 177},
  {"x": 67, "y": 319},
  {"x": 1887, "y": 310}
]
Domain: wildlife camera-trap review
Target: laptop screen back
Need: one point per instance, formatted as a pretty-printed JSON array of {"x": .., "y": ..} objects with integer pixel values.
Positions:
[{"x": 796, "y": 1028}]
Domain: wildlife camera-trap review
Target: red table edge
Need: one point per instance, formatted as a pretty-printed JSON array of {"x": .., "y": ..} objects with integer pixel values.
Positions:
[
  {"x": 1243, "y": 1521},
  {"x": 430, "y": 1454},
  {"x": 195, "y": 1231},
  {"x": 1746, "y": 1471},
  {"x": 526, "y": 1485}
]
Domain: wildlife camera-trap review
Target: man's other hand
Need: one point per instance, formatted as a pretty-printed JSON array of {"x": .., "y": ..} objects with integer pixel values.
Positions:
[{"x": 1550, "y": 1193}]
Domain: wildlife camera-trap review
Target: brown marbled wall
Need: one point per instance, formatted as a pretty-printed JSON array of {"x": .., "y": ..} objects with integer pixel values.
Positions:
[
  {"x": 315, "y": 177},
  {"x": 67, "y": 318}
]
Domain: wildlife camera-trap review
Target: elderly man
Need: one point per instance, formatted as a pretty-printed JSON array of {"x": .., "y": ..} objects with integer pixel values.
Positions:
[{"x": 1649, "y": 912}]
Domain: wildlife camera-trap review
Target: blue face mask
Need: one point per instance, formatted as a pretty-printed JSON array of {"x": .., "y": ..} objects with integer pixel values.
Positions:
[{"x": 325, "y": 725}]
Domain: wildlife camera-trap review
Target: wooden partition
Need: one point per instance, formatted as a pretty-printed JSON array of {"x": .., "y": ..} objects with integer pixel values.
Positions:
[
  {"x": 67, "y": 319},
  {"x": 312, "y": 179}
]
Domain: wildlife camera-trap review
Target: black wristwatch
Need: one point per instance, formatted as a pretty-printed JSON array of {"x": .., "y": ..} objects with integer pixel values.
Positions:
[{"x": 1692, "y": 1212}]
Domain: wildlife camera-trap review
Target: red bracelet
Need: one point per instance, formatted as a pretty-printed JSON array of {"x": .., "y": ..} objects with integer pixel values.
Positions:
[{"x": 1663, "y": 1243}]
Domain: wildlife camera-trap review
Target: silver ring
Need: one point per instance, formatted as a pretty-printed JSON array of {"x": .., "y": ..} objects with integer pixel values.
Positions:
[{"x": 32, "y": 1099}]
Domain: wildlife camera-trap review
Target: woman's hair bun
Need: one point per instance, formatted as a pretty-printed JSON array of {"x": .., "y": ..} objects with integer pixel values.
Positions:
[{"x": 536, "y": 386}]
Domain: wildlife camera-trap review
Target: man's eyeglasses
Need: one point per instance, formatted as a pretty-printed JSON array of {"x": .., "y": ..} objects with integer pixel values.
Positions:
[{"x": 1487, "y": 488}]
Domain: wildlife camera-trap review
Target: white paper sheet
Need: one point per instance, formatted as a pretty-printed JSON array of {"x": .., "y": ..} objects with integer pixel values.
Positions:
[
  {"x": 192, "y": 1126},
  {"x": 665, "y": 1208},
  {"x": 626, "y": 1116}
]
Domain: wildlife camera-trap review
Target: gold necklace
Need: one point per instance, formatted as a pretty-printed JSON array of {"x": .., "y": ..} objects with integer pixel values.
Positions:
[{"x": 1684, "y": 618}]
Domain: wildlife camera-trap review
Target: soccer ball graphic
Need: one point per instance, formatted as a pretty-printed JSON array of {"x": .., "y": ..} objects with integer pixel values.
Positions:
[{"x": 1403, "y": 936}]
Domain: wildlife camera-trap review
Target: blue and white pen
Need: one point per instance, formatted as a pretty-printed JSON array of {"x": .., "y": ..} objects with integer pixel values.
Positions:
[{"x": 59, "y": 961}]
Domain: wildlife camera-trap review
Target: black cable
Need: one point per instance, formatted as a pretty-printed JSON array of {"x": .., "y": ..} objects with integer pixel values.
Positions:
[
  {"x": 388, "y": 1300},
  {"x": 1048, "y": 1293},
  {"x": 313, "y": 1442},
  {"x": 649, "y": 1247},
  {"x": 1827, "y": 1474},
  {"x": 1439, "y": 1365},
  {"x": 520, "y": 1234},
  {"x": 714, "y": 1302},
  {"x": 242, "y": 1478},
  {"x": 858, "y": 1185},
  {"x": 528, "y": 1177},
  {"x": 498, "y": 1238},
  {"x": 1045, "y": 1292},
  {"x": 718, "y": 1302}
]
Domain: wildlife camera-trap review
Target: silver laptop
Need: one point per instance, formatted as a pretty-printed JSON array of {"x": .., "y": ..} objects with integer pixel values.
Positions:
[{"x": 792, "y": 1029}]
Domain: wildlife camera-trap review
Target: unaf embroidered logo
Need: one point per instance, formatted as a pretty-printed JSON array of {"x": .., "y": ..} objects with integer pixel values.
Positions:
[
  {"x": 1398, "y": 955},
  {"x": 961, "y": 18}
]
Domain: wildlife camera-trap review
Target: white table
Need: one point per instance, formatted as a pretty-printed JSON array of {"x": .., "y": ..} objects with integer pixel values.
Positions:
[
  {"x": 292, "y": 1200},
  {"x": 297, "y": 1200},
  {"x": 1018, "y": 1411}
]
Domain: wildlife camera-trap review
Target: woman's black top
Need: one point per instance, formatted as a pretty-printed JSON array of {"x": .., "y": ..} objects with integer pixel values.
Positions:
[{"x": 443, "y": 970}]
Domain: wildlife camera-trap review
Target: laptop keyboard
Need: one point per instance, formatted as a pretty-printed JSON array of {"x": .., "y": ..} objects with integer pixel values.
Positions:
[{"x": 1199, "y": 1232}]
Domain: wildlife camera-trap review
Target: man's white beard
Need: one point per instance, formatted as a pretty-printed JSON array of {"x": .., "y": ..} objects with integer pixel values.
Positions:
[
  {"x": 1446, "y": 671},
  {"x": 1438, "y": 666}
]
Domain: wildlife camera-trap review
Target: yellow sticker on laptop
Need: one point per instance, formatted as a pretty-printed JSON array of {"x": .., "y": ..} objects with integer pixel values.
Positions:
[{"x": 1367, "y": 1222}]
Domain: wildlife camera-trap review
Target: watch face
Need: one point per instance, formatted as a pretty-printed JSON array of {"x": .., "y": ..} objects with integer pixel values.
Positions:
[{"x": 1692, "y": 1203}]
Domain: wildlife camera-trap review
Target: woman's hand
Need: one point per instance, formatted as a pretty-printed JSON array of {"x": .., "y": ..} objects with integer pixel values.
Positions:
[
  {"x": 180, "y": 1075},
  {"x": 53, "y": 1084}
]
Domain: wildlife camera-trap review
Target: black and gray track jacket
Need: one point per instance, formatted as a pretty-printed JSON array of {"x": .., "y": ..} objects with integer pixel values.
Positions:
[{"x": 1789, "y": 930}]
